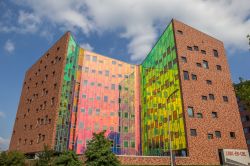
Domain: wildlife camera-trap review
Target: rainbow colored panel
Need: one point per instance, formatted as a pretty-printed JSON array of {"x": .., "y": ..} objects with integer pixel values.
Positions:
[{"x": 161, "y": 106}]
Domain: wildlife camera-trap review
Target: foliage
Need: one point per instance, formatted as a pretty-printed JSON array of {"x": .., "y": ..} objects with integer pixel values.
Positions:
[
  {"x": 45, "y": 157},
  {"x": 13, "y": 158},
  {"x": 99, "y": 152},
  {"x": 68, "y": 158},
  {"x": 242, "y": 91}
]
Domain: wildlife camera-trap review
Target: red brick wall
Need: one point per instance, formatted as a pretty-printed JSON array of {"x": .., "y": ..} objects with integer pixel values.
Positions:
[
  {"x": 201, "y": 150},
  {"x": 54, "y": 62}
]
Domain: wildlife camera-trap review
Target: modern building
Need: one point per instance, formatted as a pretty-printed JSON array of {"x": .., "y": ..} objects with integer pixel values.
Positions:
[{"x": 180, "y": 98}]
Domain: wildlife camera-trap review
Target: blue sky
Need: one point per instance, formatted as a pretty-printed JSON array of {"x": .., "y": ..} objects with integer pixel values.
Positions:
[{"x": 124, "y": 30}]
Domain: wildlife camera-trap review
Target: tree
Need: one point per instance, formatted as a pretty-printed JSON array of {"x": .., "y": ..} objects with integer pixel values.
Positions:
[
  {"x": 99, "y": 152},
  {"x": 242, "y": 91},
  {"x": 12, "y": 158},
  {"x": 46, "y": 157},
  {"x": 68, "y": 158}
]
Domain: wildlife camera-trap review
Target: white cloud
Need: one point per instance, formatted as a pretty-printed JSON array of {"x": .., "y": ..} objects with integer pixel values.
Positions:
[
  {"x": 86, "y": 46},
  {"x": 226, "y": 20},
  {"x": 2, "y": 114},
  {"x": 9, "y": 46},
  {"x": 4, "y": 143}
]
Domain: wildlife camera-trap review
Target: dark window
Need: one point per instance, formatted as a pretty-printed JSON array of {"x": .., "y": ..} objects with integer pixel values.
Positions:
[
  {"x": 194, "y": 77},
  {"x": 94, "y": 58},
  {"x": 196, "y": 48},
  {"x": 211, "y": 96},
  {"x": 225, "y": 98},
  {"x": 179, "y": 32},
  {"x": 193, "y": 132},
  {"x": 216, "y": 53},
  {"x": 105, "y": 98},
  {"x": 214, "y": 115},
  {"x": 186, "y": 75},
  {"x": 190, "y": 112},
  {"x": 205, "y": 64},
  {"x": 198, "y": 64},
  {"x": 52, "y": 101},
  {"x": 189, "y": 48},
  {"x": 199, "y": 115},
  {"x": 210, "y": 136},
  {"x": 203, "y": 51},
  {"x": 204, "y": 97},
  {"x": 246, "y": 130},
  {"x": 218, "y": 67},
  {"x": 248, "y": 141},
  {"x": 217, "y": 134},
  {"x": 232, "y": 135},
  {"x": 184, "y": 59},
  {"x": 209, "y": 82}
]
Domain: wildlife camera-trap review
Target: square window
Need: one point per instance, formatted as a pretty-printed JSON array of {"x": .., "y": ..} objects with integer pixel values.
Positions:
[
  {"x": 209, "y": 82},
  {"x": 84, "y": 96},
  {"x": 87, "y": 57},
  {"x": 113, "y": 86},
  {"x": 193, "y": 132},
  {"x": 186, "y": 75},
  {"x": 214, "y": 115},
  {"x": 113, "y": 62},
  {"x": 125, "y": 143},
  {"x": 218, "y": 67},
  {"x": 199, "y": 115},
  {"x": 232, "y": 135},
  {"x": 211, "y": 96},
  {"x": 90, "y": 111},
  {"x": 85, "y": 82},
  {"x": 190, "y": 112},
  {"x": 81, "y": 125},
  {"x": 203, "y": 52},
  {"x": 132, "y": 144},
  {"x": 198, "y": 64},
  {"x": 248, "y": 141},
  {"x": 94, "y": 58},
  {"x": 196, "y": 48},
  {"x": 217, "y": 134},
  {"x": 204, "y": 97},
  {"x": 189, "y": 48},
  {"x": 97, "y": 111},
  {"x": 106, "y": 73},
  {"x": 126, "y": 114},
  {"x": 210, "y": 136},
  {"x": 205, "y": 64},
  {"x": 225, "y": 98},
  {"x": 125, "y": 129},
  {"x": 180, "y": 32},
  {"x": 98, "y": 98},
  {"x": 194, "y": 77},
  {"x": 82, "y": 110},
  {"x": 184, "y": 59},
  {"x": 100, "y": 72},
  {"x": 215, "y": 53},
  {"x": 105, "y": 98},
  {"x": 246, "y": 130}
]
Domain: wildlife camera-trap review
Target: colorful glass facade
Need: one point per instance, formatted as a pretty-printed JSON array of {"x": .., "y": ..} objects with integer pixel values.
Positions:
[
  {"x": 140, "y": 107},
  {"x": 161, "y": 106}
]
